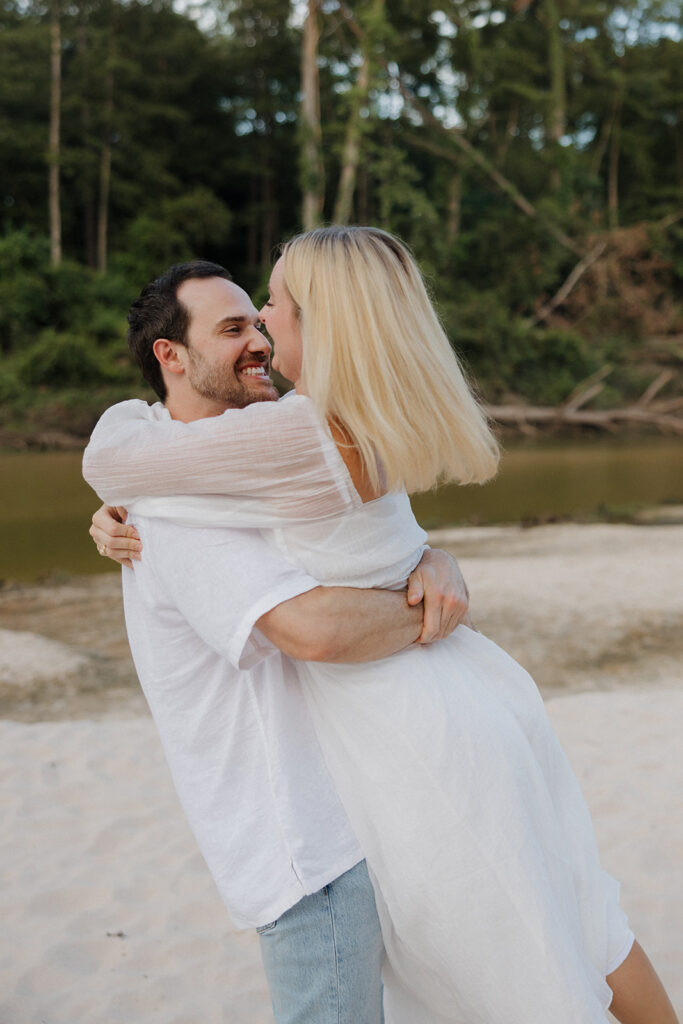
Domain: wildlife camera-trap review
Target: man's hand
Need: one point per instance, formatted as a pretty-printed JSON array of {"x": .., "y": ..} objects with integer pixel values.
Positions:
[
  {"x": 438, "y": 582},
  {"x": 113, "y": 538}
]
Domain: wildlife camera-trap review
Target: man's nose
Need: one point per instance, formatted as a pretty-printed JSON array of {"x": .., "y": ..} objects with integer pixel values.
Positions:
[{"x": 258, "y": 341}]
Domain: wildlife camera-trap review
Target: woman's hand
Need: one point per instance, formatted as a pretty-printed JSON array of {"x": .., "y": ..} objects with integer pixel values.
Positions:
[
  {"x": 438, "y": 582},
  {"x": 113, "y": 538}
]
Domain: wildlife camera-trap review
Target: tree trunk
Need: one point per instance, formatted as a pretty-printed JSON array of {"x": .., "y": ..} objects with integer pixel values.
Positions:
[
  {"x": 252, "y": 224},
  {"x": 312, "y": 168},
  {"x": 105, "y": 172},
  {"x": 88, "y": 192},
  {"x": 510, "y": 129},
  {"x": 454, "y": 203},
  {"x": 613, "y": 168},
  {"x": 53, "y": 152},
  {"x": 355, "y": 125},
  {"x": 269, "y": 215},
  {"x": 351, "y": 154},
  {"x": 557, "y": 113},
  {"x": 603, "y": 141},
  {"x": 363, "y": 195}
]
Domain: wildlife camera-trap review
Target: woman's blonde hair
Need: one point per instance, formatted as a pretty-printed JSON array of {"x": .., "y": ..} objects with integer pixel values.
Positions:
[{"x": 377, "y": 361}]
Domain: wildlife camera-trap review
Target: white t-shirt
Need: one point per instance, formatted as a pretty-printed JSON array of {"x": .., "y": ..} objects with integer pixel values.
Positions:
[{"x": 231, "y": 716}]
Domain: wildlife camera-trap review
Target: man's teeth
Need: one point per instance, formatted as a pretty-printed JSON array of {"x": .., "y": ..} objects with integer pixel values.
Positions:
[{"x": 255, "y": 371}]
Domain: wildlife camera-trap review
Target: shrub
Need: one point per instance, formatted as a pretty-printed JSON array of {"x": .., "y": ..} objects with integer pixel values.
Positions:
[
  {"x": 172, "y": 232},
  {"x": 507, "y": 355},
  {"x": 59, "y": 360}
]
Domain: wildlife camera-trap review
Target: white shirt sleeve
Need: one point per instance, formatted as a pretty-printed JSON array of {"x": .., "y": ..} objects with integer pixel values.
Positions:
[
  {"x": 274, "y": 460},
  {"x": 221, "y": 581}
]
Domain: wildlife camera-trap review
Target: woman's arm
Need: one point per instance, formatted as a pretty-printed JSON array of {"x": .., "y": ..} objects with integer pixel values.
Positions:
[{"x": 276, "y": 453}]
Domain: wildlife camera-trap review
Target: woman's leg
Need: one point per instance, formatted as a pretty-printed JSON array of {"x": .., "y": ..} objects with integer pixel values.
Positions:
[{"x": 639, "y": 996}]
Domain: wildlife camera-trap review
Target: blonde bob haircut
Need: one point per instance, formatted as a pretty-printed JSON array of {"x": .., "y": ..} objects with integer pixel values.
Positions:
[{"x": 377, "y": 362}]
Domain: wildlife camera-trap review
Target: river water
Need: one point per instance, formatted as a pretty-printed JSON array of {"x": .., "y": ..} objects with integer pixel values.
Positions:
[{"x": 46, "y": 507}]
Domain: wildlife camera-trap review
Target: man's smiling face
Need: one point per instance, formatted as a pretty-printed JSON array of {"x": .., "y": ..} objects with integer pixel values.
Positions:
[{"x": 227, "y": 359}]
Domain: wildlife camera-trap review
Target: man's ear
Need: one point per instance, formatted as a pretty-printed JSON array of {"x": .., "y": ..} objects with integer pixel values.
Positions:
[{"x": 167, "y": 354}]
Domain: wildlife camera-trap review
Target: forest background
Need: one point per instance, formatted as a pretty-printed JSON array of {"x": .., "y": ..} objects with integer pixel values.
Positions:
[{"x": 530, "y": 152}]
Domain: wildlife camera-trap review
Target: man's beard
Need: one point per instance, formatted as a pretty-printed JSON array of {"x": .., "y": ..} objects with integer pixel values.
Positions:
[{"x": 223, "y": 385}]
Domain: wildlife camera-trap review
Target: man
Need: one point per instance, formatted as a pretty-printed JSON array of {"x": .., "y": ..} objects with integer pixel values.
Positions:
[{"x": 211, "y": 616}]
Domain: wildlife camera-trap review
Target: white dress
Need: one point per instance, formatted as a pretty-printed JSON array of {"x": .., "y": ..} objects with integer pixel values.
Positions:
[{"x": 493, "y": 903}]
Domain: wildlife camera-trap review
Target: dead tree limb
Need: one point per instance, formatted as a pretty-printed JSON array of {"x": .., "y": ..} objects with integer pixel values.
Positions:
[
  {"x": 654, "y": 388},
  {"x": 587, "y": 389},
  {"x": 604, "y": 419},
  {"x": 489, "y": 169},
  {"x": 584, "y": 398},
  {"x": 577, "y": 273},
  {"x": 670, "y": 219},
  {"x": 642, "y": 412},
  {"x": 671, "y": 405}
]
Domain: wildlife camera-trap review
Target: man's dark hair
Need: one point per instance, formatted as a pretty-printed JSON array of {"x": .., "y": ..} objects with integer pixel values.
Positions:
[{"x": 157, "y": 313}]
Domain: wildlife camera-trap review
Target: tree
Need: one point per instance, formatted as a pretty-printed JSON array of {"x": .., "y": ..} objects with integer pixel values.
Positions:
[
  {"x": 312, "y": 167},
  {"x": 54, "y": 141},
  {"x": 359, "y": 113}
]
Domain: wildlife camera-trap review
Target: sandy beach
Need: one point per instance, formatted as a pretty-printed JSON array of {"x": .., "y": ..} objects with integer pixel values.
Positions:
[{"x": 109, "y": 912}]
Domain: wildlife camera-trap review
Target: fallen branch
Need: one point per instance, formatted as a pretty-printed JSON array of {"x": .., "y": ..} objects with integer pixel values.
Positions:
[
  {"x": 642, "y": 412},
  {"x": 654, "y": 388},
  {"x": 671, "y": 219},
  {"x": 577, "y": 273},
  {"x": 587, "y": 389},
  {"x": 604, "y": 419},
  {"x": 670, "y": 405}
]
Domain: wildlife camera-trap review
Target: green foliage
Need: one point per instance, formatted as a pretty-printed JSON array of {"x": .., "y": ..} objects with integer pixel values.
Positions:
[
  {"x": 12, "y": 391},
  {"x": 62, "y": 359},
  {"x": 173, "y": 231},
  {"x": 60, "y": 327},
  {"x": 35, "y": 296},
  {"x": 200, "y": 127},
  {"x": 24, "y": 288},
  {"x": 511, "y": 358},
  {"x": 669, "y": 245},
  {"x": 404, "y": 207}
]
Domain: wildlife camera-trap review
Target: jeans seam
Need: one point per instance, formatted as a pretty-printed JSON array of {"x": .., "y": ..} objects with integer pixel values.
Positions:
[{"x": 336, "y": 953}]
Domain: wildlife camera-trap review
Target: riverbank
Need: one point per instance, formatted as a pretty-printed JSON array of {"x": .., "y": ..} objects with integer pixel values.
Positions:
[
  {"x": 582, "y": 606},
  {"x": 109, "y": 909},
  {"x": 41, "y": 441}
]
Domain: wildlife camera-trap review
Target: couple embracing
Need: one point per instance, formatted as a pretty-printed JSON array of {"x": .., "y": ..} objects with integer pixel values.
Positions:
[{"x": 374, "y": 785}]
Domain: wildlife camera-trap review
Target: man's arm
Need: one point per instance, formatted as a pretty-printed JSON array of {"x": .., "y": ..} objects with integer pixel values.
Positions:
[{"x": 342, "y": 624}]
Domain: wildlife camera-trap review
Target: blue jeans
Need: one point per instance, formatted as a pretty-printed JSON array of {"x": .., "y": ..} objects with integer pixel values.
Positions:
[{"x": 323, "y": 957}]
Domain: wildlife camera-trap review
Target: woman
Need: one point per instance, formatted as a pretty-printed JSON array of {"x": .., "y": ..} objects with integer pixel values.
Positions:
[{"x": 493, "y": 903}]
